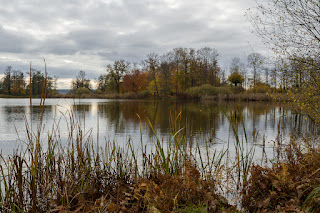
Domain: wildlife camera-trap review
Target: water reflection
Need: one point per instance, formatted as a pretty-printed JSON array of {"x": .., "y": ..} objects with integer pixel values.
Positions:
[
  {"x": 14, "y": 113},
  {"x": 202, "y": 121},
  {"x": 81, "y": 108},
  {"x": 262, "y": 120}
]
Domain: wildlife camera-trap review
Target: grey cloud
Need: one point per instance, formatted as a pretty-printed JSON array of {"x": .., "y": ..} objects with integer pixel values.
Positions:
[
  {"x": 101, "y": 31},
  {"x": 12, "y": 42}
]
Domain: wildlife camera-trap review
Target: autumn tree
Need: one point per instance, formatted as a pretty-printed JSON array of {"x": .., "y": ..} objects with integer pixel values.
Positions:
[
  {"x": 13, "y": 82},
  {"x": 236, "y": 78},
  {"x": 136, "y": 81},
  {"x": 153, "y": 63},
  {"x": 19, "y": 84},
  {"x": 176, "y": 59},
  {"x": 165, "y": 68},
  {"x": 190, "y": 67},
  {"x": 115, "y": 73},
  {"x": 183, "y": 55},
  {"x": 172, "y": 72}
]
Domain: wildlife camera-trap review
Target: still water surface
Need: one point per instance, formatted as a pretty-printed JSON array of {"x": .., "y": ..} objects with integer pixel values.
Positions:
[{"x": 118, "y": 120}]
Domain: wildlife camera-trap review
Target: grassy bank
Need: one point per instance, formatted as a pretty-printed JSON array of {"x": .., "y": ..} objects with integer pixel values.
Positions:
[
  {"x": 228, "y": 93},
  {"x": 13, "y": 96}
]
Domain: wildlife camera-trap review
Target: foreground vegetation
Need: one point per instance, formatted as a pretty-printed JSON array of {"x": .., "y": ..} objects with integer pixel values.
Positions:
[
  {"x": 290, "y": 185},
  {"x": 77, "y": 176}
]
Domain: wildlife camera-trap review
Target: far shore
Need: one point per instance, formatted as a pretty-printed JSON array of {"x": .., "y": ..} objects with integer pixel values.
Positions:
[{"x": 134, "y": 96}]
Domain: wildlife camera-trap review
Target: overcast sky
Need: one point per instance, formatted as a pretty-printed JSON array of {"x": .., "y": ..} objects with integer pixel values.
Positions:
[{"x": 87, "y": 35}]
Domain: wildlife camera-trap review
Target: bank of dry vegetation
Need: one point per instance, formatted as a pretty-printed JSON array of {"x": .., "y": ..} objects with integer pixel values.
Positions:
[{"x": 289, "y": 185}]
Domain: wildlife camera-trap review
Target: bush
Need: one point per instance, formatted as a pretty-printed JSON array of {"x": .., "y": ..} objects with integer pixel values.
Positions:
[
  {"x": 135, "y": 95},
  {"x": 237, "y": 90},
  {"x": 98, "y": 91},
  {"x": 82, "y": 91},
  {"x": 144, "y": 94},
  {"x": 260, "y": 88},
  {"x": 209, "y": 90}
]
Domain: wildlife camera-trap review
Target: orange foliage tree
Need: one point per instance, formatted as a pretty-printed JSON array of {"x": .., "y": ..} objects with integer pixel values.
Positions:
[{"x": 135, "y": 82}]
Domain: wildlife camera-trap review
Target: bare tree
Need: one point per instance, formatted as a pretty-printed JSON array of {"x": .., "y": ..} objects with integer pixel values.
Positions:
[
  {"x": 80, "y": 81},
  {"x": 208, "y": 59},
  {"x": 235, "y": 66},
  {"x": 7, "y": 80},
  {"x": 255, "y": 61},
  {"x": 288, "y": 26}
]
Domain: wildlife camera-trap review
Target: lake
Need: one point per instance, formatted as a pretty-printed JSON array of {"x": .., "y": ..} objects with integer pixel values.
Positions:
[{"x": 259, "y": 125}]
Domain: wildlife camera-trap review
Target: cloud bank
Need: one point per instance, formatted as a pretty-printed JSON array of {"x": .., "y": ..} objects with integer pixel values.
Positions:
[{"x": 87, "y": 35}]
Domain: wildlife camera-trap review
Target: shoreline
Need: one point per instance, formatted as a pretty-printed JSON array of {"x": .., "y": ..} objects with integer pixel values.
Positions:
[{"x": 246, "y": 97}]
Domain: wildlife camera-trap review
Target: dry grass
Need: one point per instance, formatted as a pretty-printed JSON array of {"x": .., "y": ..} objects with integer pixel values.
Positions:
[{"x": 291, "y": 185}]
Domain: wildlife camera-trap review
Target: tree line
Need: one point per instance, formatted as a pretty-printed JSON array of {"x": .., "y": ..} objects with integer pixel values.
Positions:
[
  {"x": 15, "y": 82},
  {"x": 173, "y": 73},
  {"x": 180, "y": 69}
]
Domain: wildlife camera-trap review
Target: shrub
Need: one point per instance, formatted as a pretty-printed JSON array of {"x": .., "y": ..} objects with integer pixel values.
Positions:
[
  {"x": 260, "y": 88},
  {"x": 237, "y": 89},
  {"x": 289, "y": 185},
  {"x": 98, "y": 91},
  {"x": 209, "y": 90},
  {"x": 82, "y": 91},
  {"x": 144, "y": 94}
]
